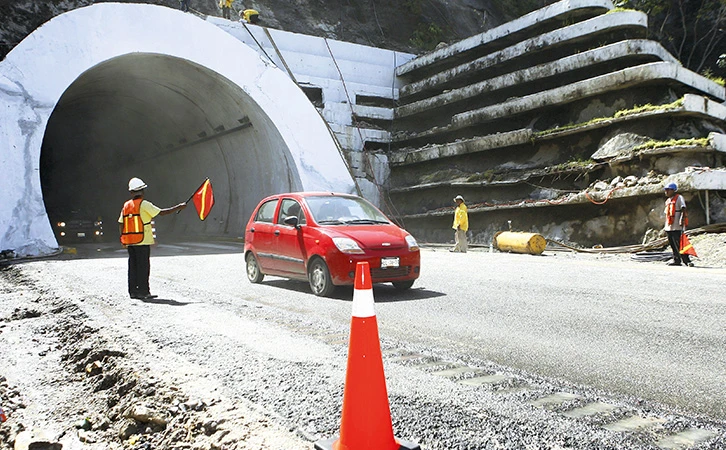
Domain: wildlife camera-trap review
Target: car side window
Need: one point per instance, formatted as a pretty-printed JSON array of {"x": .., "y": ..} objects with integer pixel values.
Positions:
[
  {"x": 266, "y": 213},
  {"x": 291, "y": 208}
]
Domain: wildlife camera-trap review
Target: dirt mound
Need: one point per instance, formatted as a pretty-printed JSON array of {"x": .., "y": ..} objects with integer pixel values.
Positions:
[{"x": 104, "y": 397}]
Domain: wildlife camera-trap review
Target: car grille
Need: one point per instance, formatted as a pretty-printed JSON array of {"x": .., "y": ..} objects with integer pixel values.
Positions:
[{"x": 380, "y": 274}]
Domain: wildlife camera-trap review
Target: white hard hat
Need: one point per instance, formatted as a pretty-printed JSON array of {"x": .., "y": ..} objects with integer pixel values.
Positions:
[{"x": 136, "y": 184}]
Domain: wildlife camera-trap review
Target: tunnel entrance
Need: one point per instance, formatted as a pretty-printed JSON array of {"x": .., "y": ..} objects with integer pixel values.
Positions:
[{"x": 172, "y": 123}]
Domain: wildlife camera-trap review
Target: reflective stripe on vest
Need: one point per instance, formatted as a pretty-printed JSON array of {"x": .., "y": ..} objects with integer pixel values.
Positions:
[
  {"x": 133, "y": 227},
  {"x": 671, "y": 209}
]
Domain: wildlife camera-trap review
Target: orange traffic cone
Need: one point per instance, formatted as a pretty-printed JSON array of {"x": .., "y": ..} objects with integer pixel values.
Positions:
[{"x": 366, "y": 420}]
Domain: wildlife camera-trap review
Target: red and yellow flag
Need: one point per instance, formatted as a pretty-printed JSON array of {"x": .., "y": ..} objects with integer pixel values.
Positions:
[
  {"x": 687, "y": 247},
  {"x": 204, "y": 199}
]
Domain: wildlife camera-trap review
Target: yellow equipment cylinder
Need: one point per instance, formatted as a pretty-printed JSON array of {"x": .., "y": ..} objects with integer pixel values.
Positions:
[{"x": 510, "y": 241}]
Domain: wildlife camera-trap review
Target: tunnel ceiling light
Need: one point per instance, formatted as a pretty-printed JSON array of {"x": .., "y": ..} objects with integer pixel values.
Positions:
[
  {"x": 219, "y": 129},
  {"x": 245, "y": 120},
  {"x": 203, "y": 134}
]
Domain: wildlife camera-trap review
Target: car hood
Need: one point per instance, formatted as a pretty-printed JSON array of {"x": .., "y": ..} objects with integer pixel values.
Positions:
[{"x": 377, "y": 237}]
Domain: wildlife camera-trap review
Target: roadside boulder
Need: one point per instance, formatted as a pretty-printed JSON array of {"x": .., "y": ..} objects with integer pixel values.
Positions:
[{"x": 36, "y": 440}]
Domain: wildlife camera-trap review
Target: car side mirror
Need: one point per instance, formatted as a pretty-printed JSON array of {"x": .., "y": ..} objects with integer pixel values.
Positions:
[{"x": 291, "y": 221}]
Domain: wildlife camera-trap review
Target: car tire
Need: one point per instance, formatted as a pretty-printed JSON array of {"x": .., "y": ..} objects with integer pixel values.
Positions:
[
  {"x": 319, "y": 277},
  {"x": 254, "y": 273},
  {"x": 403, "y": 285}
]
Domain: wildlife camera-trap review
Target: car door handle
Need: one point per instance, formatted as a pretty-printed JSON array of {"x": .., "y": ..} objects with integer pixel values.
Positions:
[{"x": 277, "y": 232}]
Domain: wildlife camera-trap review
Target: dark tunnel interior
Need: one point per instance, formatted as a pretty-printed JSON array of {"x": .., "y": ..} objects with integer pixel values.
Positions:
[{"x": 171, "y": 123}]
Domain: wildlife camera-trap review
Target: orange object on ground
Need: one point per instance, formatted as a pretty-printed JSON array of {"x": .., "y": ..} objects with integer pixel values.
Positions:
[
  {"x": 687, "y": 247},
  {"x": 366, "y": 419}
]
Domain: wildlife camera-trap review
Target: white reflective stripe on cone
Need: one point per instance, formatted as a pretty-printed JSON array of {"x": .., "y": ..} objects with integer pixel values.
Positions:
[{"x": 363, "y": 303}]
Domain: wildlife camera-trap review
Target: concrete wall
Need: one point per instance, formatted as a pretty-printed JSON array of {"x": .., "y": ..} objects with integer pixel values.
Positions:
[
  {"x": 357, "y": 85},
  {"x": 110, "y": 91},
  {"x": 566, "y": 122}
]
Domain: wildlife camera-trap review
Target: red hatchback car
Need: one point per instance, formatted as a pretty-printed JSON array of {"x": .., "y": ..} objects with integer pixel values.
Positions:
[{"x": 320, "y": 237}]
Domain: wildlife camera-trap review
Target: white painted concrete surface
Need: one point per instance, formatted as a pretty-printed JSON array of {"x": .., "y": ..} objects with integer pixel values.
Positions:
[
  {"x": 529, "y": 20},
  {"x": 37, "y": 72}
]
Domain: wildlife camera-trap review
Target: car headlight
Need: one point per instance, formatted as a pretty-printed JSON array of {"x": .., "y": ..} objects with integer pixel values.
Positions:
[
  {"x": 347, "y": 245},
  {"x": 98, "y": 223},
  {"x": 412, "y": 244},
  {"x": 61, "y": 224}
]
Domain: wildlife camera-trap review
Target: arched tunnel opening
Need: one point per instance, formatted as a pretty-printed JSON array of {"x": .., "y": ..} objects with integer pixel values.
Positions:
[{"x": 172, "y": 123}]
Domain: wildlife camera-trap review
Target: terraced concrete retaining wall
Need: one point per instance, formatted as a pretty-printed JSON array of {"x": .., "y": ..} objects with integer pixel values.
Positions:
[{"x": 565, "y": 122}]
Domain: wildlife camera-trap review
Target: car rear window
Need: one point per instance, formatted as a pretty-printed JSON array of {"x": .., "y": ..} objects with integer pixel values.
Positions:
[{"x": 266, "y": 213}]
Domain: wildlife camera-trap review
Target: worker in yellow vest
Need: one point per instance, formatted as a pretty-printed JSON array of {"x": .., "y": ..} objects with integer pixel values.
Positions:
[
  {"x": 226, "y": 6},
  {"x": 461, "y": 225},
  {"x": 250, "y": 15},
  {"x": 137, "y": 236}
]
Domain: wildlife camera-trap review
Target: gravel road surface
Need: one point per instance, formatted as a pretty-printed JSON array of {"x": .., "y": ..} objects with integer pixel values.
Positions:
[{"x": 488, "y": 350}]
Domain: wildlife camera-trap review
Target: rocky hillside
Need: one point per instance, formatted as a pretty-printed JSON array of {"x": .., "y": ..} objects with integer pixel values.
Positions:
[{"x": 406, "y": 25}]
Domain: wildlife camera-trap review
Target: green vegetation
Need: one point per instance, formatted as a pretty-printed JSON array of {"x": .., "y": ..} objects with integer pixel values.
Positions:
[
  {"x": 702, "y": 142},
  {"x": 487, "y": 176},
  {"x": 427, "y": 36},
  {"x": 637, "y": 109},
  {"x": 413, "y": 6},
  {"x": 691, "y": 30},
  {"x": 441, "y": 175},
  {"x": 620, "y": 9},
  {"x": 708, "y": 73},
  {"x": 574, "y": 163}
]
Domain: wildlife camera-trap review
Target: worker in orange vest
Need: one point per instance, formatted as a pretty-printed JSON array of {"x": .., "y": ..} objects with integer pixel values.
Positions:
[
  {"x": 675, "y": 223},
  {"x": 137, "y": 236}
]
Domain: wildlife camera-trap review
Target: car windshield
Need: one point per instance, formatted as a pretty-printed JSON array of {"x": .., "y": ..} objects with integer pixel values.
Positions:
[{"x": 336, "y": 210}]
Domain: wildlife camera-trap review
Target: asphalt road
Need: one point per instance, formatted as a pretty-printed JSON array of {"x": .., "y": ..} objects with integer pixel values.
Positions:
[{"x": 603, "y": 327}]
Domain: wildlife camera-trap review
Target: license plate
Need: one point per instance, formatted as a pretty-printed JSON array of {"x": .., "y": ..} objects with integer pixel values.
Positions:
[
  {"x": 81, "y": 234},
  {"x": 391, "y": 262}
]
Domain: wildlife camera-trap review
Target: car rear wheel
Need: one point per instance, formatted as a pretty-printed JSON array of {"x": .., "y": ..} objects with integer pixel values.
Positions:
[
  {"x": 254, "y": 274},
  {"x": 319, "y": 277},
  {"x": 403, "y": 285}
]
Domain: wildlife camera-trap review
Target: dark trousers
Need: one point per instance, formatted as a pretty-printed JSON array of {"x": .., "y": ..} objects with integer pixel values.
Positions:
[
  {"x": 674, "y": 239},
  {"x": 139, "y": 269},
  {"x": 184, "y": 5},
  {"x": 225, "y": 12}
]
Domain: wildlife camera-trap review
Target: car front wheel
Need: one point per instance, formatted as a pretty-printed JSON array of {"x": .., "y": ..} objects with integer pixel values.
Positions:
[
  {"x": 319, "y": 277},
  {"x": 254, "y": 274},
  {"x": 403, "y": 285}
]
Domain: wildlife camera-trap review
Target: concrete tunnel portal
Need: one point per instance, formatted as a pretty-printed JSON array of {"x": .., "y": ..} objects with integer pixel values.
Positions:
[
  {"x": 111, "y": 91},
  {"x": 172, "y": 123}
]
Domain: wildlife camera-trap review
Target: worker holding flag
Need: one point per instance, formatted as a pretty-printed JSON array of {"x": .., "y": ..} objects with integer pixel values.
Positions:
[
  {"x": 137, "y": 236},
  {"x": 675, "y": 226}
]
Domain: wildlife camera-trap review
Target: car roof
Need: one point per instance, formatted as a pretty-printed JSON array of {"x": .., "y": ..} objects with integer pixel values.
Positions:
[{"x": 308, "y": 194}]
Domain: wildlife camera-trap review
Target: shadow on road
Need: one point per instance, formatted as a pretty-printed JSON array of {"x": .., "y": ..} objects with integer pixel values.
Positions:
[
  {"x": 163, "y": 301},
  {"x": 383, "y": 293}
]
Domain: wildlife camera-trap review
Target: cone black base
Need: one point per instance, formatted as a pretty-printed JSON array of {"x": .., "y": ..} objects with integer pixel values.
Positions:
[{"x": 327, "y": 444}]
